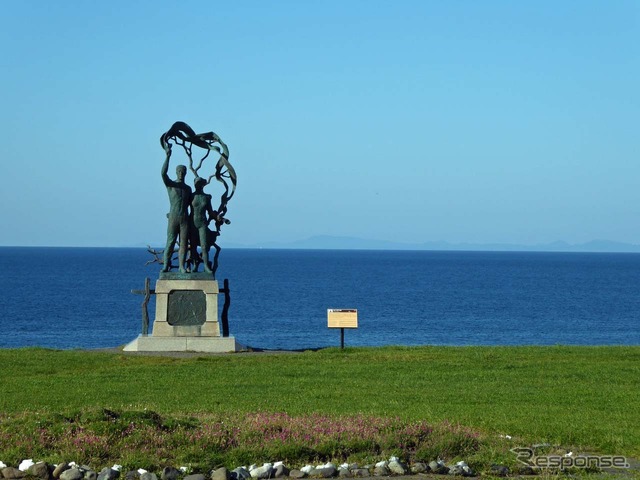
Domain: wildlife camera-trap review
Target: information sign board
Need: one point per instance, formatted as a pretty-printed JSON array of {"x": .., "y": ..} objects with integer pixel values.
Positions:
[{"x": 342, "y": 318}]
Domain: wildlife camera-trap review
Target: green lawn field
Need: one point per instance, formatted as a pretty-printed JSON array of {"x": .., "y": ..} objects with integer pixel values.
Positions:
[{"x": 580, "y": 398}]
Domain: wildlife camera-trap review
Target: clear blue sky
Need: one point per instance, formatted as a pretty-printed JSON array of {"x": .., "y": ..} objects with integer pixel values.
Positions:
[{"x": 463, "y": 121}]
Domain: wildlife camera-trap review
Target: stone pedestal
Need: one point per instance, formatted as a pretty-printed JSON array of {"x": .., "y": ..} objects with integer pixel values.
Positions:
[
  {"x": 186, "y": 308},
  {"x": 186, "y": 317}
]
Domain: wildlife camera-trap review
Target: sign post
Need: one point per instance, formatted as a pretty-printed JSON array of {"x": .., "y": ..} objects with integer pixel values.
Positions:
[{"x": 342, "y": 318}]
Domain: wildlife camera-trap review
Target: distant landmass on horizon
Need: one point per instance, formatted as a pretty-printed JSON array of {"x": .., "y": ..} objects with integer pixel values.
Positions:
[{"x": 323, "y": 242}]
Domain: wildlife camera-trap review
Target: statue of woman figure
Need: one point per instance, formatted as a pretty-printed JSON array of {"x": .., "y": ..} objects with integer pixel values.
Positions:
[{"x": 203, "y": 213}]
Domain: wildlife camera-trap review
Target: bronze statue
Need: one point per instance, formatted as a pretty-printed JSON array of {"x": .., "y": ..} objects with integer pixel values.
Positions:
[
  {"x": 203, "y": 214},
  {"x": 191, "y": 213},
  {"x": 178, "y": 216}
]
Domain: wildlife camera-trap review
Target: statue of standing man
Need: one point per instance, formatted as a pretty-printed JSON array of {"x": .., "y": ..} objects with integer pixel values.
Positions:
[{"x": 178, "y": 216}]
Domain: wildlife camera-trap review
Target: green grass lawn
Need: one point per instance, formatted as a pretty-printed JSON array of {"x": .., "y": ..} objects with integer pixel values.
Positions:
[{"x": 583, "y": 398}]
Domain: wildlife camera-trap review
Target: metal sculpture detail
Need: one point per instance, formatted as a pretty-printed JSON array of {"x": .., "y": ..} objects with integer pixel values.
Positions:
[{"x": 191, "y": 211}]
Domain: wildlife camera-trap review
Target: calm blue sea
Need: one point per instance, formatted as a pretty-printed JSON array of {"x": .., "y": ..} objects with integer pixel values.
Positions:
[{"x": 80, "y": 297}]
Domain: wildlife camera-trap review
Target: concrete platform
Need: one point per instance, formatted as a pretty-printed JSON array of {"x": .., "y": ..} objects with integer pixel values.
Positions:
[{"x": 146, "y": 343}]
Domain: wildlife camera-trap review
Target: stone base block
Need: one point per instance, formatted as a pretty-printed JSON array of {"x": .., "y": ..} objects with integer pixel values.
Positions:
[
  {"x": 186, "y": 308},
  {"x": 207, "y": 329},
  {"x": 184, "y": 344}
]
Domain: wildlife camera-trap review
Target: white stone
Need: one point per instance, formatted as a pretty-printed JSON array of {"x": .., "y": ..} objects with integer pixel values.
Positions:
[
  {"x": 25, "y": 464},
  {"x": 141, "y": 471},
  {"x": 307, "y": 468},
  {"x": 116, "y": 467},
  {"x": 381, "y": 464},
  {"x": 2, "y": 464},
  {"x": 396, "y": 467},
  {"x": 277, "y": 464},
  {"x": 394, "y": 459},
  {"x": 262, "y": 472}
]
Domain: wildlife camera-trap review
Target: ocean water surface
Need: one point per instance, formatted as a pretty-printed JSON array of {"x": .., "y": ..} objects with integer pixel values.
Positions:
[{"x": 80, "y": 297}]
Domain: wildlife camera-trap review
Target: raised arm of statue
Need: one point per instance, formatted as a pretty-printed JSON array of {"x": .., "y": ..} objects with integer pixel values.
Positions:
[{"x": 165, "y": 166}]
